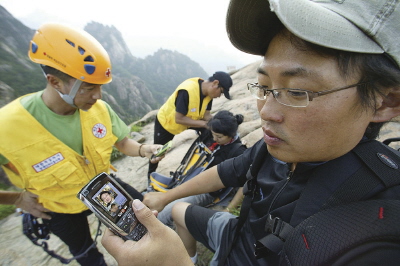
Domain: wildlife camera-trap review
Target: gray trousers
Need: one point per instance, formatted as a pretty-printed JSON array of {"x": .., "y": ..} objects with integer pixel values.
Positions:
[{"x": 201, "y": 200}]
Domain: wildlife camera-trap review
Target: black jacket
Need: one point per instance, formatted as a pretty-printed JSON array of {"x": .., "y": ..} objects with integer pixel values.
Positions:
[{"x": 278, "y": 191}]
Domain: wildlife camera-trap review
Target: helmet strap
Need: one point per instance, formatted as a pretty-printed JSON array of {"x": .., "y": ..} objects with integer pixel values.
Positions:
[{"x": 71, "y": 96}]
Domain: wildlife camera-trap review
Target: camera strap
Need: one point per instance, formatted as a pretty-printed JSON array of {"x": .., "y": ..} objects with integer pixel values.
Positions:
[{"x": 249, "y": 192}]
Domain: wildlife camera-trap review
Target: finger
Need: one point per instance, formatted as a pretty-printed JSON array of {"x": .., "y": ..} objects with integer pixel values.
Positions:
[
  {"x": 151, "y": 199},
  {"x": 40, "y": 214},
  {"x": 156, "y": 159},
  {"x": 41, "y": 211},
  {"x": 111, "y": 242},
  {"x": 156, "y": 148},
  {"x": 146, "y": 216},
  {"x": 153, "y": 149},
  {"x": 40, "y": 207},
  {"x": 45, "y": 216}
]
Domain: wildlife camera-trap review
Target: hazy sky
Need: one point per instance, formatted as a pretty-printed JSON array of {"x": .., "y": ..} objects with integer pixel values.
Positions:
[{"x": 194, "y": 28}]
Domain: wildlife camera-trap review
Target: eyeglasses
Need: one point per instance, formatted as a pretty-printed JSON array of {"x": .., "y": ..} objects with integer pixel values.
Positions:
[{"x": 291, "y": 97}]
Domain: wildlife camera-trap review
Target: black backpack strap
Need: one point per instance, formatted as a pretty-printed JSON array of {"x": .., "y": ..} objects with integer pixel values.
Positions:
[
  {"x": 235, "y": 148},
  {"x": 379, "y": 159},
  {"x": 359, "y": 233},
  {"x": 249, "y": 191},
  {"x": 279, "y": 231},
  {"x": 382, "y": 167},
  {"x": 390, "y": 140},
  {"x": 373, "y": 174}
]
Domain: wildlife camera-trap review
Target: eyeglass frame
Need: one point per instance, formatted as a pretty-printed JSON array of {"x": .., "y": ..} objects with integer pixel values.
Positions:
[{"x": 311, "y": 94}]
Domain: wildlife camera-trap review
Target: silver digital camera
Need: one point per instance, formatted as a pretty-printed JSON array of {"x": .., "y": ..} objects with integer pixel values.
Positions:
[{"x": 113, "y": 206}]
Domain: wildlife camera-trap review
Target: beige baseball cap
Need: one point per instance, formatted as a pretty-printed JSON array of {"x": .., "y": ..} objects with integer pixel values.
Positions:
[{"x": 370, "y": 26}]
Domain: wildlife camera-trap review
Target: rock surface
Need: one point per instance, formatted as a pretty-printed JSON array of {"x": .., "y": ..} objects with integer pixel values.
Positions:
[{"x": 16, "y": 249}]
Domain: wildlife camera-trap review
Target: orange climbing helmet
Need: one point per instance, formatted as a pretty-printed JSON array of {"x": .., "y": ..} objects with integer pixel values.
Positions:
[{"x": 71, "y": 51}]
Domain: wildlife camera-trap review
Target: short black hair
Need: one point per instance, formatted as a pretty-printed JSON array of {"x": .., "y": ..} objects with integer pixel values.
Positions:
[
  {"x": 105, "y": 191},
  {"x": 55, "y": 72}
]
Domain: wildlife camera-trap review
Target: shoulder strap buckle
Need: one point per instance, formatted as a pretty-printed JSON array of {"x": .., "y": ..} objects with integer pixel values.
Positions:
[
  {"x": 278, "y": 231},
  {"x": 278, "y": 227}
]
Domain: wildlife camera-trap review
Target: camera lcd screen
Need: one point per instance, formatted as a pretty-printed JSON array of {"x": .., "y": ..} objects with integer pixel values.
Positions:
[{"x": 112, "y": 201}]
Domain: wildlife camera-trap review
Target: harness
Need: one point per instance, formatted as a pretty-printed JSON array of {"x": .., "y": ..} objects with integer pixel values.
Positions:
[
  {"x": 38, "y": 232},
  {"x": 381, "y": 167}
]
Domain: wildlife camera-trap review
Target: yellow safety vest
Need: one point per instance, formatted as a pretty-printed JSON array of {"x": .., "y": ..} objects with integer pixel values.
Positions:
[
  {"x": 166, "y": 114},
  {"x": 46, "y": 166}
]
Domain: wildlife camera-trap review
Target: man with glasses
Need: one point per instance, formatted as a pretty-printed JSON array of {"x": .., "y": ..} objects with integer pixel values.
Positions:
[
  {"x": 189, "y": 107},
  {"x": 329, "y": 80}
]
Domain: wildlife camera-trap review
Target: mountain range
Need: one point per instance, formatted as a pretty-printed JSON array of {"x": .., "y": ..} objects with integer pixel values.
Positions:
[{"x": 138, "y": 86}]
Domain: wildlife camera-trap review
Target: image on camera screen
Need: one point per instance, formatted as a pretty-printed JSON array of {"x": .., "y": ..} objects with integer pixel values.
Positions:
[{"x": 111, "y": 200}]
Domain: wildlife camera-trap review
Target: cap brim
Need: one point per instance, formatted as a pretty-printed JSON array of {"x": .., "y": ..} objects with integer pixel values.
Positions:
[
  {"x": 248, "y": 23},
  {"x": 251, "y": 25},
  {"x": 226, "y": 93}
]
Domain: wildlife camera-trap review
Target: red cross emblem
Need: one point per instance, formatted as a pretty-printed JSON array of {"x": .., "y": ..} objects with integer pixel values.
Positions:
[
  {"x": 99, "y": 131},
  {"x": 108, "y": 72}
]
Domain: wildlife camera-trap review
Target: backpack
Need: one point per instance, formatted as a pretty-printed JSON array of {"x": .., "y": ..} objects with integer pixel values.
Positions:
[
  {"x": 374, "y": 225},
  {"x": 196, "y": 160},
  {"x": 355, "y": 233}
]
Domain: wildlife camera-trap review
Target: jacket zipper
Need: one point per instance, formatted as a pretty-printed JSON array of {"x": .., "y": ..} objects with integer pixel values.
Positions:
[{"x": 290, "y": 175}]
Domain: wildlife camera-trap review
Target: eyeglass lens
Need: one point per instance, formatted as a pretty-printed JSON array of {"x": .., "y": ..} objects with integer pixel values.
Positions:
[{"x": 293, "y": 97}]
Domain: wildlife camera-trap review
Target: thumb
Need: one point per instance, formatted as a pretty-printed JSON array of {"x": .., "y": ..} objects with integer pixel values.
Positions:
[{"x": 145, "y": 215}]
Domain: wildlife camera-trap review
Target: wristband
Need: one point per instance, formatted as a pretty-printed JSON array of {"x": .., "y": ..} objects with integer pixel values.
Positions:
[{"x": 140, "y": 148}]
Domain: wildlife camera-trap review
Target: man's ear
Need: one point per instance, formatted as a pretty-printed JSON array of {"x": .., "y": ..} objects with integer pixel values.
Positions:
[
  {"x": 215, "y": 83},
  {"x": 54, "y": 81},
  {"x": 389, "y": 106}
]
